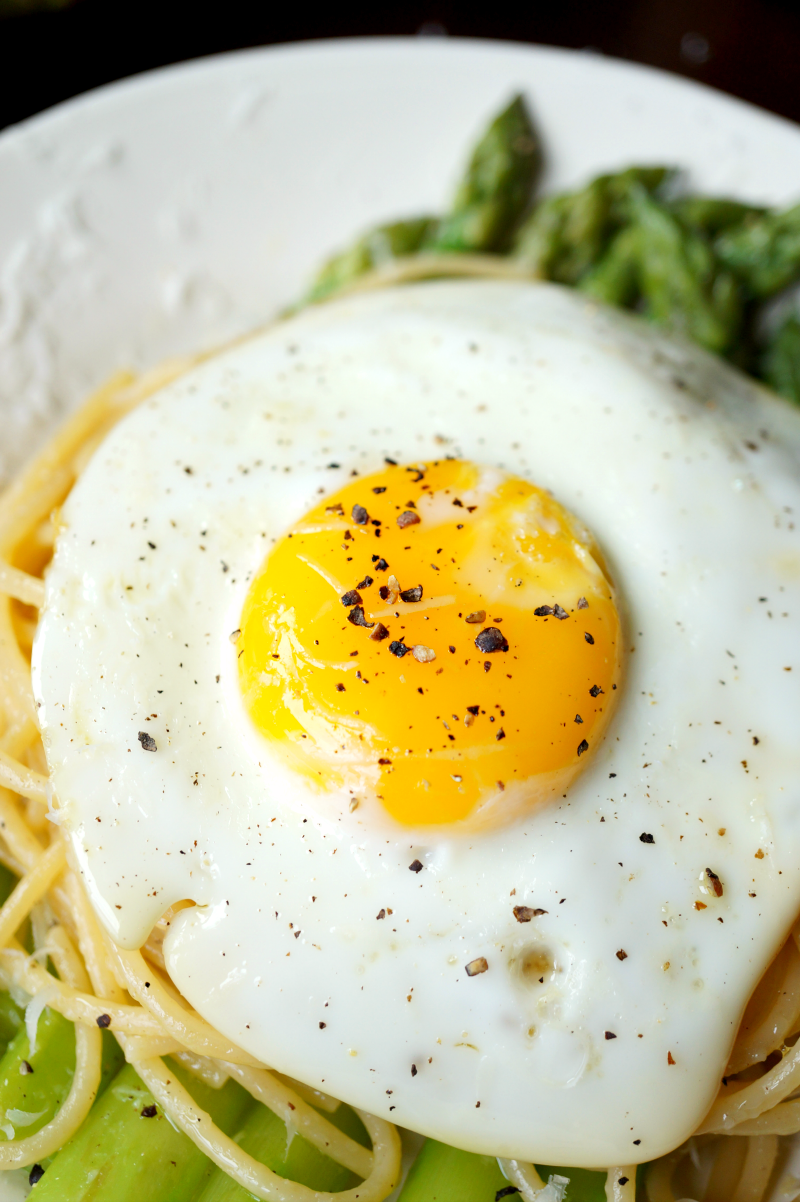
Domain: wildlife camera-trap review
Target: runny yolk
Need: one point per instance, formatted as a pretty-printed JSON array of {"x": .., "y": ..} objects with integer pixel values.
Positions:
[{"x": 443, "y": 637}]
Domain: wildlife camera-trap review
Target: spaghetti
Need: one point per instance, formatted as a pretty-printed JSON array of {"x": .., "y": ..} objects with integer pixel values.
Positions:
[{"x": 730, "y": 1159}]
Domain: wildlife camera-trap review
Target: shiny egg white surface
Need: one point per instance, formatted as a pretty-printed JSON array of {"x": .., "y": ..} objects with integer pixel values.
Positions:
[{"x": 688, "y": 476}]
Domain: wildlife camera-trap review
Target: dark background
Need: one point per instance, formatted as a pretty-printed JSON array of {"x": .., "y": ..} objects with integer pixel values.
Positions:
[{"x": 53, "y": 49}]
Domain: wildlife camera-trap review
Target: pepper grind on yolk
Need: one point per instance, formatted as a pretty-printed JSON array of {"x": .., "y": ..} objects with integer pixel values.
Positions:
[{"x": 443, "y": 637}]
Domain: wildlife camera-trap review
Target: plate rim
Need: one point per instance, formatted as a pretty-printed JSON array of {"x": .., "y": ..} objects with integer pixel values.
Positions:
[{"x": 153, "y": 76}]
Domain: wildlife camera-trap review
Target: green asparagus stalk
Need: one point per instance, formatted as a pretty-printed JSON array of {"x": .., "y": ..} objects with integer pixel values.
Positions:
[
  {"x": 11, "y": 1015},
  {"x": 711, "y": 215},
  {"x": 496, "y": 188},
  {"x": 567, "y": 234},
  {"x": 264, "y": 1136},
  {"x": 444, "y": 1174},
  {"x": 374, "y": 249},
  {"x": 585, "y": 1185},
  {"x": 614, "y": 278},
  {"x": 29, "y": 1099},
  {"x": 7, "y": 882},
  {"x": 11, "y": 1019},
  {"x": 780, "y": 362},
  {"x": 763, "y": 252},
  {"x": 127, "y": 1150},
  {"x": 682, "y": 284}
]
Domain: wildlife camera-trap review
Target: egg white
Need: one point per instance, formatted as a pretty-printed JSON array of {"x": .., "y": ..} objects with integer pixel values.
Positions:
[{"x": 688, "y": 476}]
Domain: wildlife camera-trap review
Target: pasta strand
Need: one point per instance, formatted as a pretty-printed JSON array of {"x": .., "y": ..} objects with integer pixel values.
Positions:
[
  {"x": 30, "y": 890},
  {"x": 178, "y": 1103},
  {"x": 290, "y": 1107}
]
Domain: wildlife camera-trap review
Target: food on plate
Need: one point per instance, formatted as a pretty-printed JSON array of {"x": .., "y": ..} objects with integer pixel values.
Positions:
[
  {"x": 488, "y": 560},
  {"x": 700, "y": 266},
  {"x": 418, "y": 712}
]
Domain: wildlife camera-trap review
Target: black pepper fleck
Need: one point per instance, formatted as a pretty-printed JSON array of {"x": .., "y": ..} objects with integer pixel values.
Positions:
[
  {"x": 356, "y": 616},
  {"x": 491, "y": 639}
]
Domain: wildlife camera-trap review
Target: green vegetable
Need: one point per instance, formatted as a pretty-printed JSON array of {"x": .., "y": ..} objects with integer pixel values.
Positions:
[
  {"x": 7, "y": 882},
  {"x": 375, "y": 248},
  {"x": 264, "y": 1137},
  {"x": 614, "y": 278},
  {"x": 41, "y": 1092},
  {"x": 711, "y": 215},
  {"x": 496, "y": 188},
  {"x": 11, "y": 1015},
  {"x": 566, "y": 234},
  {"x": 11, "y": 1019},
  {"x": 444, "y": 1174},
  {"x": 682, "y": 284},
  {"x": 584, "y": 1184},
  {"x": 118, "y": 1155},
  {"x": 763, "y": 252},
  {"x": 780, "y": 362},
  {"x": 111, "y": 1063}
]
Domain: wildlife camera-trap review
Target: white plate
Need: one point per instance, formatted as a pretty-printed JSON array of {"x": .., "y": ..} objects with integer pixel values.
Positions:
[{"x": 170, "y": 211}]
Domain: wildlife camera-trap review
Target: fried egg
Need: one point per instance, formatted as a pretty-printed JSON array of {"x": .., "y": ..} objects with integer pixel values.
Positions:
[{"x": 534, "y": 938}]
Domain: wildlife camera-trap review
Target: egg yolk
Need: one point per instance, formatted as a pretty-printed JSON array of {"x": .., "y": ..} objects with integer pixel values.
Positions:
[{"x": 443, "y": 637}]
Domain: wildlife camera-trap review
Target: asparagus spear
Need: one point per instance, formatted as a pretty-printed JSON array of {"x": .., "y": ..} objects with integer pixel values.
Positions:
[
  {"x": 566, "y": 234},
  {"x": 764, "y": 251},
  {"x": 127, "y": 1149},
  {"x": 444, "y": 1174},
  {"x": 11, "y": 1019},
  {"x": 683, "y": 286},
  {"x": 584, "y": 1184},
  {"x": 711, "y": 215},
  {"x": 264, "y": 1136},
  {"x": 7, "y": 882},
  {"x": 614, "y": 278},
  {"x": 28, "y": 1099},
  {"x": 496, "y": 188},
  {"x": 376, "y": 247},
  {"x": 780, "y": 362}
]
